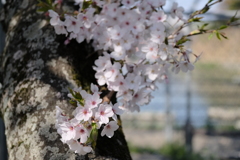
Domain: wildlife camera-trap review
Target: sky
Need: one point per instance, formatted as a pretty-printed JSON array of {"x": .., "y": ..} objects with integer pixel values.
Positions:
[
  {"x": 189, "y": 5},
  {"x": 193, "y": 5}
]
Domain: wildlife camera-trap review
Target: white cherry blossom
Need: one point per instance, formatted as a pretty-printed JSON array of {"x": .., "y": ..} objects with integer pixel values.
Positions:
[
  {"x": 135, "y": 49},
  {"x": 103, "y": 113},
  {"x": 81, "y": 133},
  {"x": 117, "y": 111},
  {"x": 55, "y": 20},
  {"x": 186, "y": 66},
  {"x": 128, "y": 3},
  {"x": 158, "y": 17},
  {"x": 109, "y": 129},
  {"x": 60, "y": 28},
  {"x": 72, "y": 24},
  {"x": 83, "y": 113},
  {"x": 92, "y": 101}
]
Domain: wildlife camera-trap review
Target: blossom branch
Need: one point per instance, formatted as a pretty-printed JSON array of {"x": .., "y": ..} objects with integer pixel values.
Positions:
[
  {"x": 107, "y": 98},
  {"x": 191, "y": 18}
]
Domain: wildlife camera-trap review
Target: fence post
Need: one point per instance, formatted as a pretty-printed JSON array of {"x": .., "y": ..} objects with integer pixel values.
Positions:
[
  {"x": 188, "y": 128},
  {"x": 168, "y": 125}
]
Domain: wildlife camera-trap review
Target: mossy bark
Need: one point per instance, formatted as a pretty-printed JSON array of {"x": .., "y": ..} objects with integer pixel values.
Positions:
[{"x": 37, "y": 69}]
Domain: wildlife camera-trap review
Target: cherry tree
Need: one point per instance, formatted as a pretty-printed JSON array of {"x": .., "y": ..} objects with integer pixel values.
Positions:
[{"x": 72, "y": 68}]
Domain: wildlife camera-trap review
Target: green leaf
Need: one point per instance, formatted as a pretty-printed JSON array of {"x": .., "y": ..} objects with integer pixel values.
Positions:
[
  {"x": 210, "y": 36},
  {"x": 73, "y": 102},
  {"x": 203, "y": 26},
  {"x": 223, "y": 35},
  {"x": 71, "y": 91},
  {"x": 42, "y": 10},
  {"x": 196, "y": 19},
  {"x": 81, "y": 102},
  {"x": 233, "y": 19},
  {"x": 222, "y": 27},
  {"x": 209, "y": 1},
  {"x": 94, "y": 135},
  {"x": 49, "y": 2},
  {"x": 195, "y": 13},
  {"x": 44, "y": 7},
  {"x": 218, "y": 35},
  {"x": 194, "y": 32},
  {"x": 182, "y": 40},
  {"x": 166, "y": 41},
  {"x": 77, "y": 97},
  {"x": 204, "y": 10},
  {"x": 86, "y": 4}
]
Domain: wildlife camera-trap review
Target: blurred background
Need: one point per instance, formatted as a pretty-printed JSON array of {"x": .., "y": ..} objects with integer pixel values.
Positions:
[{"x": 194, "y": 116}]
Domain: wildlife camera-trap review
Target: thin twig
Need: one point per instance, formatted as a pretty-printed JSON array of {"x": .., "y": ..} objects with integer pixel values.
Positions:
[
  {"x": 200, "y": 32},
  {"x": 193, "y": 15},
  {"x": 108, "y": 97}
]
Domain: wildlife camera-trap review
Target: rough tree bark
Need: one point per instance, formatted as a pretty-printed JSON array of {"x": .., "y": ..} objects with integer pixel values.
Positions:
[{"x": 37, "y": 69}]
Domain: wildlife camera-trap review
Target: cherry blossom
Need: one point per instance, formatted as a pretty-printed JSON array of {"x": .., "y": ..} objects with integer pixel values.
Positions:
[
  {"x": 54, "y": 18},
  {"x": 104, "y": 113},
  {"x": 135, "y": 48},
  {"x": 83, "y": 113},
  {"x": 72, "y": 24},
  {"x": 109, "y": 129},
  {"x": 60, "y": 28},
  {"x": 81, "y": 133},
  {"x": 158, "y": 17},
  {"x": 117, "y": 111},
  {"x": 93, "y": 100}
]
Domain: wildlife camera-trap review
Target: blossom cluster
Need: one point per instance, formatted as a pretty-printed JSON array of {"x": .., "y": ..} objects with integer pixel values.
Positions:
[
  {"x": 137, "y": 48},
  {"x": 80, "y": 131}
]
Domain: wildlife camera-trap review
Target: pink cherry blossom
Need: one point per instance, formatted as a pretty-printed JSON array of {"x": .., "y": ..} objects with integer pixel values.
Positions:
[
  {"x": 68, "y": 131},
  {"x": 54, "y": 18},
  {"x": 72, "y": 24},
  {"x": 92, "y": 101},
  {"x": 158, "y": 16},
  {"x": 83, "y": 113},
  {"x": 109, "y": 129},
  {"x": 82, "y": 133},
  {"x": 103, "y": 113},
  {"x": 117, "y": 111},
  {"x": 134, "y": 52}
]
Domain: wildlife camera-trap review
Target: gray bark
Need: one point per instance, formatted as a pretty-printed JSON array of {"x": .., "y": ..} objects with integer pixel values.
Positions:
[
  {"x": 37, "y": 69},
  {"x": 3, "y": 147}
]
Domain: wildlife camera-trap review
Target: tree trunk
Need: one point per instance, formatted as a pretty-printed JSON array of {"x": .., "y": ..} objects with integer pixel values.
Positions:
[{"x": 37, "y": 69}]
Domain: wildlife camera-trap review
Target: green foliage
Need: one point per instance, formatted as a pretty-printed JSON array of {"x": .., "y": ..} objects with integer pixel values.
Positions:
[
  {"x": 182, "y": 40},
  {"x": 210, "y": 1},
  {"x": 173, "y": 151},
  {"x": 93, "y": 135},
  {"x": 195, "y": 19},
  {"x": 77, "y": 97},
  {"x": 178, "y": 152},
  {"x": 233, "y": 19},
  {"x": 204, "y": 10},
  {"x": 203, "y": 26},
  {"x": 45, "y": 6},
  {"x": 166, "y": 41},
  {"x": 222, "y": 27},
  {"x": 218, "y": 34},
  {"x": 207, "y": 66},
  {"x": 86, "y": 4},
  {"x": 232, "y": 4},
  {"x": 141, "y": 150}
]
